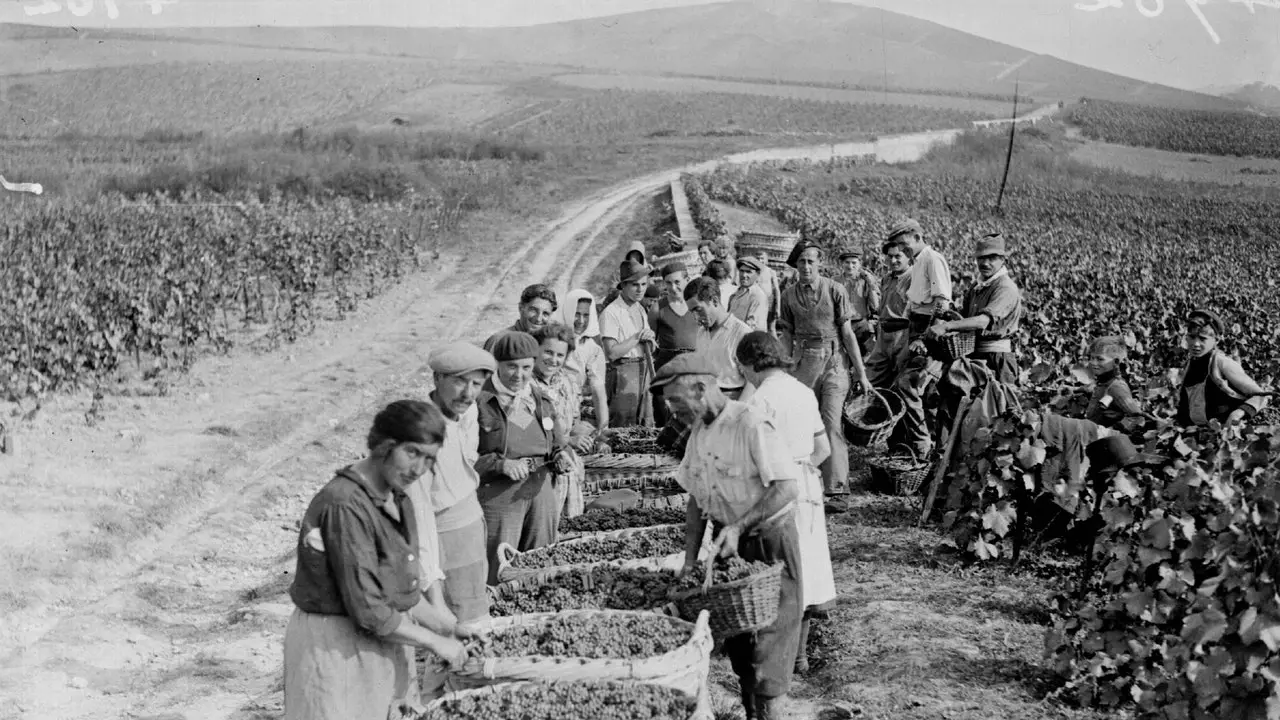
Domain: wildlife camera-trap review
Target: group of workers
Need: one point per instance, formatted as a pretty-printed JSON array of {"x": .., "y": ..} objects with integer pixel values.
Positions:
[{"x": 397, "y": 550}]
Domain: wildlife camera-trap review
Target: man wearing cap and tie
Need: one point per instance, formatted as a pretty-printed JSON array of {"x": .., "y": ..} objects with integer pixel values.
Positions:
[
  {"x": 675, "y": 329},
  {"x": 461, "y": 371},
  {"x": 864, "y": 294},
  {"x": 740, "y": 476},
  {"x": 627, "y": 342},
  {"x": 748, "y": 303},
  {"x": 992, "y": 308},
  {"x": 816, "y": 328}
]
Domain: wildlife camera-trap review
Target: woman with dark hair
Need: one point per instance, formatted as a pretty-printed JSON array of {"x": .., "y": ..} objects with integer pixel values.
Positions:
[
  {"x": 1214, "y": 385},
  {"x": 719, "y": 271},
  {"x": 555, "y": 344},
  {"x": 794, "y": 411},
  {"x": 358, "y": 588},
  {"x": 537, "y": 308}
]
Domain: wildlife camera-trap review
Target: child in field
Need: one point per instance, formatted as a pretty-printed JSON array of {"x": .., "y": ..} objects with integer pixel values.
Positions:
[
  {"x": 1214, "y": 385},
  {"x": 1112, "y": 399}
]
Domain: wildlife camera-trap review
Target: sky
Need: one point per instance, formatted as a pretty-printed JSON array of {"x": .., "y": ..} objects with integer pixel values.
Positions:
[{"x": 1190, "y": 44}]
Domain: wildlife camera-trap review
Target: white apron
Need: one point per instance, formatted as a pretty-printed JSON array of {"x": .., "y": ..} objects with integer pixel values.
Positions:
[{"x": 818, "y": 580}]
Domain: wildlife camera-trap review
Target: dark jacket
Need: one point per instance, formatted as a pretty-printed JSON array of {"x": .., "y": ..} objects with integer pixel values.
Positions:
[{"x": 493, "y": 431}]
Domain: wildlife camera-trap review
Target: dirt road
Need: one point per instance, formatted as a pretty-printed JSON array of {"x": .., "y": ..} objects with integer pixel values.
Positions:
[{"x": 189, "y": 623}]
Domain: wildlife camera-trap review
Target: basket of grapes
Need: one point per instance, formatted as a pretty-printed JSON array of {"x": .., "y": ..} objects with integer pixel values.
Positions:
[
  {"x": 592, "y": 645},
  {"x": 653, "y": 547},
  {"x": 594, "y": 522},
  {"x": 741, "y": 596},
  {"x": 567, "y": 700},
  {"x": 637, "y": 471},
  {"x": 593, "y": 587}
]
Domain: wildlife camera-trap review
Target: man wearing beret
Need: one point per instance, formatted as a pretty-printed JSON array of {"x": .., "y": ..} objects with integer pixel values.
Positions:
[
  {"x": 864, "y": 294},
  {"x": 748, "y": 302},
  {"x": 627, "y": 342},
  {"x": 816, "y": 328},
  {"x": 740, "y": 476},
  {"x": 461, "y": 371},
  {"x": 522, "y": 448}
]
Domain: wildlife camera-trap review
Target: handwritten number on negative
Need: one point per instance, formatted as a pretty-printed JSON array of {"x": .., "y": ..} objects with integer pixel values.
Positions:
[{"x": 79, "y": 8}]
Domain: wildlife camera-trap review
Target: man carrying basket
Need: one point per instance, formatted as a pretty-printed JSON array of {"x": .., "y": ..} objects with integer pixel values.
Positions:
[{"x": 740, "y": 475}]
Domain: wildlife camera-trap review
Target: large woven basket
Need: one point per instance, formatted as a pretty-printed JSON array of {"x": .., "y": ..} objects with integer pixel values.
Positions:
[
  {"x": 952, "y": 346},
  {"x": 699, "y": 709},
  {"x": 507, "y": 554},
  {"x": 690, "y": 259},
  {"x": 776, "y": 245},
  {"x": 869, "y": 418},
  {"x": 899, "y": 473},
  {"x": 737, "y": 607},
  {"x": 570, "y": 527},
  {"x": 636, "y": 472},
  {"x": 684, "y": 668}
]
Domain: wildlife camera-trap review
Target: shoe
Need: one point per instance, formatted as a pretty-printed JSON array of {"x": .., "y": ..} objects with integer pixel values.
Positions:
[{"x": 835, "y": 505}]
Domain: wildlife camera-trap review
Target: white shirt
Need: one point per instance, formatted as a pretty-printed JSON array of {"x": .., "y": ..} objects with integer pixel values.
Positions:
[
  {"x": 793, "y": 407},
  {"x": 453, "y": 480},
  {"x": 929, "y": 277},
  {"x": 620, "y": 321},
  {"x": 722, "y": 346},
  {"x": 586, "y": 363},
  {"x": 729, "y": 464},
  {"x": 428, "y": 533}
]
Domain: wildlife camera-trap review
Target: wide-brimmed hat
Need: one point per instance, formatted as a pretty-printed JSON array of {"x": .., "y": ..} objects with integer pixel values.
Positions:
[
  {"x": 992, "y": 244},
  {"x": 1117, "y": 452},
  {"x": 631, "y": 271}
]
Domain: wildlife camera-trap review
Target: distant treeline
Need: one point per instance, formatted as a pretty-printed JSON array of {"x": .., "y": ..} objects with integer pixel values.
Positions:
[{"x": 942, "y": 92}]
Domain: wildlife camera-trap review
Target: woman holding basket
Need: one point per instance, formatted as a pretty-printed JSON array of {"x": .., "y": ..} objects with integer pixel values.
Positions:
[{"x": 794, "y": 410}]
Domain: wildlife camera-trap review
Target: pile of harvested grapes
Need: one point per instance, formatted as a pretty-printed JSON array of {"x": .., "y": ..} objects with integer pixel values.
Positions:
[
  {"x": 633, "y": 441},
  {"x": 603, "y": 587},
  {"x": 613, "y": 519},
  {"x": 604, "y": 636},
  {"x": 658, "y": 543},
  {"x": 723, "y": 571},
  {"x": 580, "y": 700}
]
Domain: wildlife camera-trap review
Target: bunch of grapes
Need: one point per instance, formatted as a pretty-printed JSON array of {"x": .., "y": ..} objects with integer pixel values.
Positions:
[
  {"x": 579, "y": 700},
  {"x": 723, "y": 571},
  {"x": 597, "y": 588},
  {"x": 641, "y": 545},
  {"x": 614, "y": 519},
  {"x": 613, "y": 636}
]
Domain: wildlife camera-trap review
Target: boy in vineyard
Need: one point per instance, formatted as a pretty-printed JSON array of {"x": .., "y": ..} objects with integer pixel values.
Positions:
[
  {"x": 1214, "y": 385},
  {"x": 864, "y": 293},
  {"x": 1112, "y": 400}
]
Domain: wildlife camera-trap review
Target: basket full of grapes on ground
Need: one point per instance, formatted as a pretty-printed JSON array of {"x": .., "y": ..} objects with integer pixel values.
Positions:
[
  {"x": 653, "y": 547},
  {"x": 567, "y": 700},
  {"x": 594, "y": 522}
]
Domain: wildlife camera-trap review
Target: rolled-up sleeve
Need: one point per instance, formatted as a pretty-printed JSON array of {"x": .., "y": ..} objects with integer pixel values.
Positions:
[
  {"x": 353, "y": 560},
  {"x": 938, "y": 275},
  {"x": 841, "y": 306}
]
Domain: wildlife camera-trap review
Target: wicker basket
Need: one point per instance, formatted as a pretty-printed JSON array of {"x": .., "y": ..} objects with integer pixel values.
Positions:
[
  {"x": 692, "y": 262},
  {"x": 684, "y": 668},
  {"x": 699, "y": 709},
  {"x": 776, "y": 245},
  {"x": 737, "y": 607},
  {"x": 952, "y": 346},
  {"x": 636, "y": 472},
  {"x": 507, "y": 554},
  {"x": 899, "y": 474},
  {"x": 869, "y": 418}
]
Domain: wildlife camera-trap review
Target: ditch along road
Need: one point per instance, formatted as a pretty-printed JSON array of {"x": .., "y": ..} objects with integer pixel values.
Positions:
[{"x": 189, "y": 621}]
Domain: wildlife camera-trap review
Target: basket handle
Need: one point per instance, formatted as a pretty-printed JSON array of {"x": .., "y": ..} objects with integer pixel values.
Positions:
[
  {"x": 706, "y": 568},
  {"x": 915, "y": 459},
  {"x": 506, "y": 553}
]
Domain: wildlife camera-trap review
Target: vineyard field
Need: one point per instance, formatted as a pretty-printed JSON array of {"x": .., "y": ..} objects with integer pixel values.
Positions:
[
  {"x": 1205, "y": 132},
  {"x": 610, "y": 115},
  {"x": 985, "y": 107}
]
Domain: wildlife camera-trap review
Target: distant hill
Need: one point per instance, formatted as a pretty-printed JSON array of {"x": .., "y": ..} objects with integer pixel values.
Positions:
[
  {"x": 800, "y": 42},
  {"x": 1256, "y": 95}
]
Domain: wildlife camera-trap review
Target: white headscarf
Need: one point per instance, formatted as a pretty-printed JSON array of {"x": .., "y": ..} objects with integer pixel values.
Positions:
[{"x": 570, "y": 308}]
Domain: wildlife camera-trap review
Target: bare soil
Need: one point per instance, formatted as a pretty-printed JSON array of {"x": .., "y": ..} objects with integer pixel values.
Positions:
[{"x": 1251, "y": 172}]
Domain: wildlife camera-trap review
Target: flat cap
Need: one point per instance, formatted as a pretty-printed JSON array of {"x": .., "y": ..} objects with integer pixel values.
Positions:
[
  {"x": 749, "y": 262},
  {"x": 693, "y": 363},
  {"x": 673, "y": 268},
  {"x": 460, "y": 358},
  {"x": 849, "y": 253},
  {"x": 514, "y": 345},
  {"x": 1206, "y": 318},
  {"x": 990, "y": 245},
  {"x": 905, "y": 226}
]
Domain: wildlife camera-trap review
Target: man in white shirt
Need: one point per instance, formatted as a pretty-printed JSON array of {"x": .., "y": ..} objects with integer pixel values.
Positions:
[
  {"x": 720, "y": 333},
  {"x": 460, "y": 370},
  {"x": 628, "y": 346},
  {"x": 748, "y": 303},
  {"x": 740, "y": 476},
  {"x": 928, "y": 296}
]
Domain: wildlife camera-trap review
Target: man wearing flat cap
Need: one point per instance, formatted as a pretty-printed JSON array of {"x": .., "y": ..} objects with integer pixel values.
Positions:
[
  {"x": 627, "y": 342},
  {"x": 461, "y": 371},
  {"x": 740, "y": 476},
  {"x": 815, "y": 325},
  {"x": 522, "y": 448},
  {"x": 748, "y": 302},
  {"x": 992, "y": 308},
  {"x": 864, "y": 294},
  {"x": 1215, "y": 385}
]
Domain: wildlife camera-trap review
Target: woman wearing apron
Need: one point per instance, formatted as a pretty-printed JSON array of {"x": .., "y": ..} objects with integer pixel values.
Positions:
[
  {"x": 794, "y": 410},
  {"x": 1214, "y": 385}
]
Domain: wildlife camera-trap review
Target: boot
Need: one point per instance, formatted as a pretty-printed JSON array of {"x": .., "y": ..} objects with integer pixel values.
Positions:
[
  {"x": 802, "y": 655},
  {"x": 768, "y": 708},
  {"x": 749, "y": 704}
]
